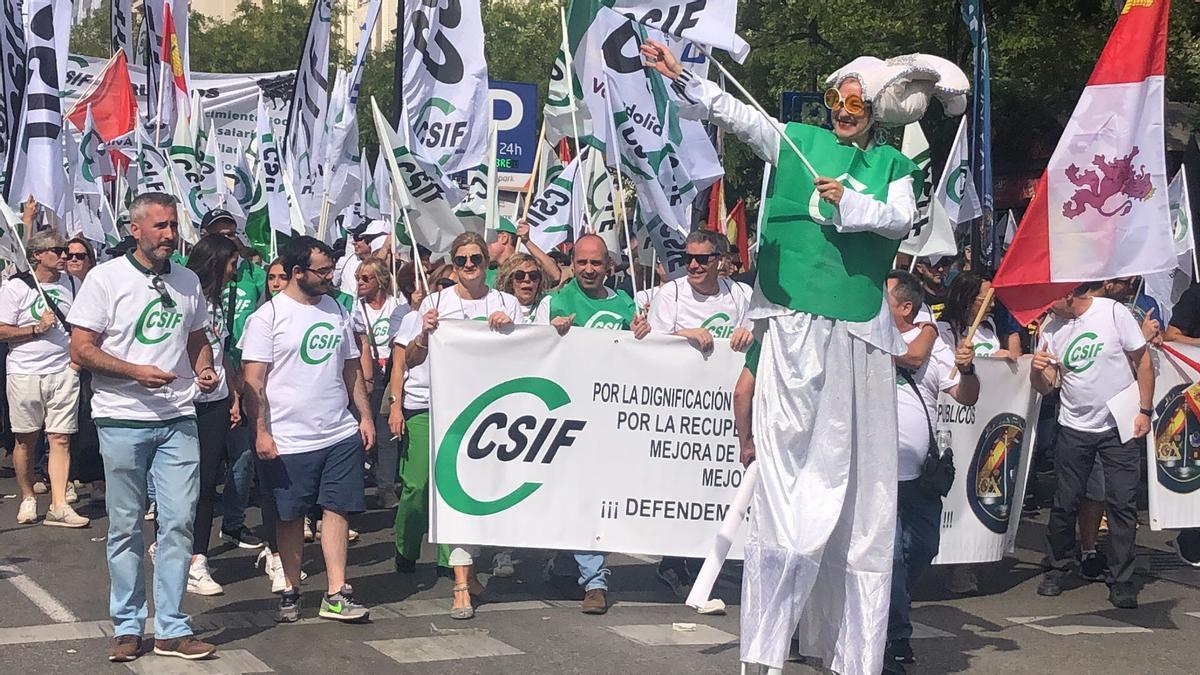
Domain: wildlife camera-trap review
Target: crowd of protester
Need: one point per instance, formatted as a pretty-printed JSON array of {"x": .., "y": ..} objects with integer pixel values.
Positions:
[{"x": 183, "y": 389}]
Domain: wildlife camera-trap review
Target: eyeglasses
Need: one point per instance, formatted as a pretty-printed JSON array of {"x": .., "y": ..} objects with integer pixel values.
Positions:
[
  {"x": 853, "y": 103},
  {"x": 77, "y": 256},
  {"x": 320, "y": 271},
  {"x": 56, "y": 250},
  {"x": 444, "y": 283},
  {"x": 698, "y": 258},
  {"x": 521, "y": 275},
  {"x": 461, "y": 260},
  {"x": 161, "y": 287}
]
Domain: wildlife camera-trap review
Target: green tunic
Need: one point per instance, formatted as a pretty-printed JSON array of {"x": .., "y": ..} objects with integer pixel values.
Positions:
[
  {"x": 804, "y": 263},
  {"x": 612, "y": 313}
]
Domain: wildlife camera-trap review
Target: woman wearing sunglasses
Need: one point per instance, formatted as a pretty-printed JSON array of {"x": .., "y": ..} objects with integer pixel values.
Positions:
[
  {"x": 80, "y": 258},
  {"x": 469, "y": 299},
  {"x": 840, "y": 204},
  {"x": 521, "y": 276},
  {"x": 377, "y": 315}
]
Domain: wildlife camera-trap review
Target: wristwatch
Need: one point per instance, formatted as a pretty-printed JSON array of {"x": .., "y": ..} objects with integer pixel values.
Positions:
[{"x": 1147, "y": 412}]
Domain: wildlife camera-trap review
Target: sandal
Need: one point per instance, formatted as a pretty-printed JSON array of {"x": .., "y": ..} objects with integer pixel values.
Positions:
[{"x": 467, "y": 612}]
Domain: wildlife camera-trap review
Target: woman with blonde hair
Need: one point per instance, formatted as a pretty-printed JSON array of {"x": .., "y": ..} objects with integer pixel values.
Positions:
[
  {"x": 522, "y": 277},
  {"x": 469, "y": 299}
]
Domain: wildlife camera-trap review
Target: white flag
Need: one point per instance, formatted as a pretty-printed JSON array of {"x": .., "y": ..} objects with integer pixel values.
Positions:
[
  {"x": 711, "y": 22},
  {"x": 932, "y": 234},
  {"x": 1010, "y": 228},
  {"x": 38, "y": 166},
  {"x": 310, "y": 100},
  {"x": 93, "y": 164},
  {"x": 446, "y": 82},
  {"x": 1167, "y": 287},
  {"x": 552, "y": 213},
  {"x": 593, "y": 200},
  {"x": 270, "y": 168},
  {"x": 956, "y": 189}
]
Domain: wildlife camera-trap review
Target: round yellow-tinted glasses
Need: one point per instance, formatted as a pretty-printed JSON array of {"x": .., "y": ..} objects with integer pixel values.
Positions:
[{"x": 852, "y": 103}]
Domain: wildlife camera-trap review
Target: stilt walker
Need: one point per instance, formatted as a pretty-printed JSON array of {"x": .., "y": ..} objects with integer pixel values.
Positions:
[{"x": 818, "y": 553}]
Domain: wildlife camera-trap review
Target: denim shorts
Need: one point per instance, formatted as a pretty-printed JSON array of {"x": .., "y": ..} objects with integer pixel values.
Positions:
[{"x": 331, "y": 477}]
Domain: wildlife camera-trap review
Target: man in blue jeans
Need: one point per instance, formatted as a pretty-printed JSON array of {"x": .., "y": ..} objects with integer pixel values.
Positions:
[
  {"x": 919, "y": 512},
  {"x": 139, "y": 328}
]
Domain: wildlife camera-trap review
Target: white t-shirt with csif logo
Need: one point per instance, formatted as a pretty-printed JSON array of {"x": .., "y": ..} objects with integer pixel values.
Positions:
[
  {"x": 1092, "y": 362},
  {"x": 119, "y": 302},
  {"x": 306, "y": 347},
  {"x": 678, "y": 306},
  {"x": 383, "y": 322},
  {"x": 986, "y": 341},
  {"x": 23, "y": 306},
  {"x": 449, "y": 305}
]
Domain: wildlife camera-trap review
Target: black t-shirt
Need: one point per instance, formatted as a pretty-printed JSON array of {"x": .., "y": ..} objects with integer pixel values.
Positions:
[{"x": 1186, "y": 314}]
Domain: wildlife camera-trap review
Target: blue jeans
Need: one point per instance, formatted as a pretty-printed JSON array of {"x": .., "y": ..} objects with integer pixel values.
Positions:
[
  {"x": 918, "y": 519},
  {"x": 592, "y": 572},
  {"x": 239, "y": 481},
  {"x": 171, "y": 454}
]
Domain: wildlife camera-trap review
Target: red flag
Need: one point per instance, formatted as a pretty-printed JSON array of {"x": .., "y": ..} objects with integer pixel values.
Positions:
[
  {"x": 564, "y": 151},
  {"x": 114, "y": 105},
  {"x": 171, "y": 53},
  {"x": 716, "y": 207},
  {"x": 1100, "y": 209},
  {"x": 737, "y": 228}
]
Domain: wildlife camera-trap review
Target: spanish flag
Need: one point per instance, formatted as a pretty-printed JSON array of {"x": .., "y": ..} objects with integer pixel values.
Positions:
[{"x": 171, "y": 53}]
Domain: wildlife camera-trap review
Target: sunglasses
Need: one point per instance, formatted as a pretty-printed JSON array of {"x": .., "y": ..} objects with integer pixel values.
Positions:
[
  {"x": 521, "y": 275},
  {"x": 853, "y": 103},
  {"x": 161, "y": 287},
  {"x": 56, "y": 250},
  {"x": 77, "y": 256},
  {"x": 444, "y": 283},
  {"x": 698, "y": 258},
  {"x": 365, "y": 278},
  {"x": 461, "y": 260}
]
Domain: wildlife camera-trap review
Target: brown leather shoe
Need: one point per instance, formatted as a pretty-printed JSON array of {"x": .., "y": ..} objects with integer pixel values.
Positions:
[
  {"x": 595, "y": 601},
  {"x": 125, "y": 648},
  {"x": 186, "y": 647}
]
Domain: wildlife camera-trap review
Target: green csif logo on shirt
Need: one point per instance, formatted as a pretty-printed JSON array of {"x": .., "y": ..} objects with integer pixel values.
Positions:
[
  {"x": 319, "y": 343},
  {"x": 379, "y": 332},
  {"x": 1082, "y": 352},
  {"x": 39, "y": 303},
  {"x": 984, "y": 348},
  {"x": 605, "y": 320},
  {"x": 156, "y": 323},
  {"x": 718, "y": 325}
]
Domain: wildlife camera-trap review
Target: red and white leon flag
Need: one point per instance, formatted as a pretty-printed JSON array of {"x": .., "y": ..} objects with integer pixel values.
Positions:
[{"x": 1100, "y": 210}]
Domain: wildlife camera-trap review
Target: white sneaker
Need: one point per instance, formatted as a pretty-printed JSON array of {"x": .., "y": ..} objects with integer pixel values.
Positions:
[
  {"x": 40, "y": 487},
  {"x": 72, "y": 497},
  {"x": 200, "y": 581},
  {"x": 152, "y": 511},
  {"x": 502, "y": 565},
  {"x": 274, "y": 568},
  {"x": 27, "y": 513},
  {"x": 65, "y": 516}
]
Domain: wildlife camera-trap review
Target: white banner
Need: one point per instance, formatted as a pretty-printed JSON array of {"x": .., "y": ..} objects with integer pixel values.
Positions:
[
  {"x": 446, "y": 82},
  {"x": 989, "y": 440},
  {"x": 594, "y": 441},
  {"x": 1173, "y": 460},
  {"x": 709, "y": 22}
]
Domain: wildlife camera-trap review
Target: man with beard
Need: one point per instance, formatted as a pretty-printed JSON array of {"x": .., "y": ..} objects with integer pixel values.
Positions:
[
  {"x": 301, "y": 369},
  {"x": 139, "y": 325}
]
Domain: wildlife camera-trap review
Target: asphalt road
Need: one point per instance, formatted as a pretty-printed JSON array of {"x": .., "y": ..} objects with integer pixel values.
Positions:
[{"x": 53, "y": 586}]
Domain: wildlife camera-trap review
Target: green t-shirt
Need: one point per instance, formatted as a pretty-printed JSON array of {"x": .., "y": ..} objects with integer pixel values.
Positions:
[
  {"x": 614, "y": 312},
  {"x": 490, "y": 275},
  {"x": 248, "y": 287},
  {"x": 344, "y": 299}
]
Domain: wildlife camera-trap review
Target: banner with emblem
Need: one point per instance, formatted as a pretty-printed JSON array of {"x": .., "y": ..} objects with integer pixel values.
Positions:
[
  {"x": 991, "y": 441},
  {"x": 1173, "y": 457},
  {"x": 522, "y": 424}
]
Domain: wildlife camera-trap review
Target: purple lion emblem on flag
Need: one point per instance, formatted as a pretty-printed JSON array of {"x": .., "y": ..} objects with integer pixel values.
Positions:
[{"x": 1114, "y": 178}]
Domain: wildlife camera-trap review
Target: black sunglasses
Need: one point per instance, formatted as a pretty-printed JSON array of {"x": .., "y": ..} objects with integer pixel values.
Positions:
[
  {"x": 77, "y": 256},
  {"x": 161, "y": 287},
  {"x": 520, "y": 275},
  {"x": 56, "y": 250},
  {"x": 701, "y": 258},
  {"x": 461, "y": 260}
]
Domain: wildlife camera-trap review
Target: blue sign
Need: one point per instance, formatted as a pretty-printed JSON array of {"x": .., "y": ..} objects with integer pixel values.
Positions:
[
  {"x": 514, "y": 108},
  {"x": 806, "y": 107}
]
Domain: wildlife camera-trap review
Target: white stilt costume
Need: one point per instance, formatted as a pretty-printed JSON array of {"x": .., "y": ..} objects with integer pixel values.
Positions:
[{"x": 819, "y": 545}]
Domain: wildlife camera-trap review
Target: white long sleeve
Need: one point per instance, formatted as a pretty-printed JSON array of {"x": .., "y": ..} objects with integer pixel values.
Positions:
[
  {"x": 703, "y": 99},
  {"x": 892, "y": 219}
]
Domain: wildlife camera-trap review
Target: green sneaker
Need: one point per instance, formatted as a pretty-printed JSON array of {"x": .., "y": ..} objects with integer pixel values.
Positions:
[{"x": 342, "y": 607}]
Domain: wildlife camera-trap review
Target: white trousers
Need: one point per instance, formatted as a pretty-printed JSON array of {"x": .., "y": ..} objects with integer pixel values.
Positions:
[{"x": 822, "y": 521}]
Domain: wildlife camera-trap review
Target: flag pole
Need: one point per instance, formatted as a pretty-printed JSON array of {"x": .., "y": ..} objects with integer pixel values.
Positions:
[
  {"x": 569, "y": 67},
  {"x": 983, "y": 307},
  {"x": 620, "y": 184},
  {"x": 754, "y": 102},
  {"x": 535, "y": 185},
  {"x": 162, "y": 76}
]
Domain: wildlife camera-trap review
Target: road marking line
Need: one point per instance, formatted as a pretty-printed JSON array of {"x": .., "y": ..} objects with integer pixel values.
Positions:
[
  {"x": 1099, "y": 625},
  {"x": 442, "y": 648},
  {"x": 39, "y": 596},
  {"x": 661, "y": 635}
]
